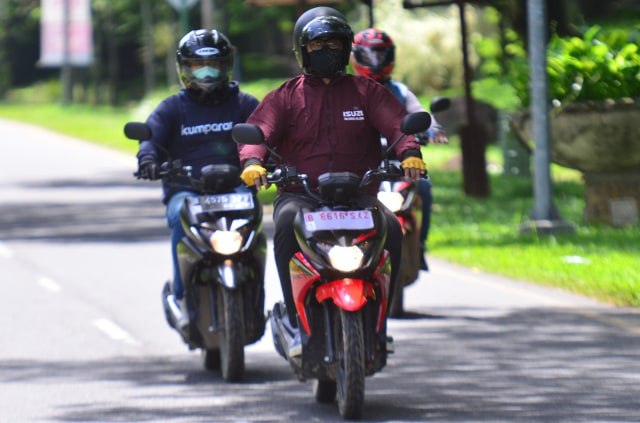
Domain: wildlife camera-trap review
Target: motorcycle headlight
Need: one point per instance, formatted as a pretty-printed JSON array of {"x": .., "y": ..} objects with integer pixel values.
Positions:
[
  {"x": 391, "y": 200},
  {"x": 345, "y": 259},
  {"x": 226, "y": 242}
]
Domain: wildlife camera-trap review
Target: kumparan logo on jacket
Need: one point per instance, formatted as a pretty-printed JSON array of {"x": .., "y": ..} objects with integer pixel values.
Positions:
[
  {"x": 353, "y": 115},
  {"x": 206, "y": 128}
]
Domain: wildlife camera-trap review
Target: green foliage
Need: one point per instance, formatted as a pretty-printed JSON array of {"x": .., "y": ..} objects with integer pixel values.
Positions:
[
  {"x": 43, "y": 92},
  {"x": 259, "y": 66},
  {"x": 259, "y": 88},
  {"x": 597, "y": 66}
]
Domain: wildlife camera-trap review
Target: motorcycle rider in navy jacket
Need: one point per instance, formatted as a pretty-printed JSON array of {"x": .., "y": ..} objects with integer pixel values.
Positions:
[
  {"x": 194, "y": 125},
  {"x": 325, "y": 121}
]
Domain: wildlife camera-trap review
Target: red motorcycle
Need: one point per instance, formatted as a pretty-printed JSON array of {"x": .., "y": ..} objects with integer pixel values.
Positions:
[{"x": 340, "y": 280}]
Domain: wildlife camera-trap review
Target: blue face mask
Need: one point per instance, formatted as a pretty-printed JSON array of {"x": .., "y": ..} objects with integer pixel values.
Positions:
[{"x": 207, "y": 72}]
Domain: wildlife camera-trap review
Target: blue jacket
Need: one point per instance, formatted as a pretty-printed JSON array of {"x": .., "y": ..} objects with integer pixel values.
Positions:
[{"x": 196, "y": 133}]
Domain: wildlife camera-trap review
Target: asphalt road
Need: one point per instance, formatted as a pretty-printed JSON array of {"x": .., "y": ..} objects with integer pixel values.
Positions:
[{"x": 84, "y": 253}]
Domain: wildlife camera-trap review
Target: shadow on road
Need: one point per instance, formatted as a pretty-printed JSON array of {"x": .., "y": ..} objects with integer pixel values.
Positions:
[
  {"x": 123, "y": 221},
  {"x": 526, "y": 365},
  {"x": 109, "y": 220}
]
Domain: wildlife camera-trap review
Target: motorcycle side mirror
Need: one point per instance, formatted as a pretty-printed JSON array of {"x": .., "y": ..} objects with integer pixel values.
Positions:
[
  {"x": 439, "y": 104},
  {"x": 414, "y": 123},
  {"x": 247, "y": 133},
  {"x": 250, "y": 134},
  {"x": 137, "y": 131}
]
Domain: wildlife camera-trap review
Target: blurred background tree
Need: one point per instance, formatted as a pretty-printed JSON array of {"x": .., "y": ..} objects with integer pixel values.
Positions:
[{"x": 135, "y": 41}]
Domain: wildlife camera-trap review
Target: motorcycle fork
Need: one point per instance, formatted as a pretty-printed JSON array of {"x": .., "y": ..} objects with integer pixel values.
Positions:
[
  {"x": 330, "y": 355},
  {"x": 213, "y": 298}
]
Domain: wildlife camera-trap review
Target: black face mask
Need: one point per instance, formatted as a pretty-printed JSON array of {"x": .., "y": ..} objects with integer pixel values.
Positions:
[{"x": 325, "y": 63}]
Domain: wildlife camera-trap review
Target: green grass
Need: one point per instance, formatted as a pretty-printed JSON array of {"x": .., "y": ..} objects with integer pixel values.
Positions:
[
  {"x": 598, "y": 261},
  {"x": 103, "y": 125}
]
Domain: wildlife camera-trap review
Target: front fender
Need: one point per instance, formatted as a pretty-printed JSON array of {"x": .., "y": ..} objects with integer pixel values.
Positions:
[
  {"x": 227, "y": 274},
  {"x": 347, "y": 293}
]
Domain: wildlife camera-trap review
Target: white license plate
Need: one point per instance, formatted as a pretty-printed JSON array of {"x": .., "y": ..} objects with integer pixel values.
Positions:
[
  {"x": 221, "y": 202},
  {"x": 338, "y": 220}
]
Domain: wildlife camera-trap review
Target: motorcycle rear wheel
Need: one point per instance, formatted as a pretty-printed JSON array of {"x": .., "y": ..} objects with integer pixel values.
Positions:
[
  {"x": 351, "y": 373},
  {"x": 408, "y": 272},
  {"x": 232, "y": 336}
]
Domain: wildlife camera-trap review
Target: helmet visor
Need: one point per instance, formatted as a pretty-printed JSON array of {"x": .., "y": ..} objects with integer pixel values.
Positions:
[
  {"x": 205, "y": 73},
  {"x": 374, "y": 57}
]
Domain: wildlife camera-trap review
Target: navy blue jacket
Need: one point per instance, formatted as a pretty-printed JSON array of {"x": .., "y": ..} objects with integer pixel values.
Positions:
[{"x": 196, "y": 133}]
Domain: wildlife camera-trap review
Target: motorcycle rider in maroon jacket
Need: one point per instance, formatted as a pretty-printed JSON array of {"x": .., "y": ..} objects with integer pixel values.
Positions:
[{"x": 325, "y": 121}]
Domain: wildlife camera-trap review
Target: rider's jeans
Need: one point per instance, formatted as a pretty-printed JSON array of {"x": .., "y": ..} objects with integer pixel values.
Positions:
[
  {"x": 177, "y": 233},
  {"x": 424, "y": 190}
]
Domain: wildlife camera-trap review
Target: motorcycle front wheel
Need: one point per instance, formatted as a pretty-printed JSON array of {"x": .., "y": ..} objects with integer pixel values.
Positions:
[
  {"x": 232, "y": 336},
  {"x": 351, "y": 372}
]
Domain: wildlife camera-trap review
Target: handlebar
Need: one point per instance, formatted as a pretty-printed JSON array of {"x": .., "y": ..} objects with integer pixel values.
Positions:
[
  {"x": 174, "y": 169},
  {"x": 283, "y": 176}
]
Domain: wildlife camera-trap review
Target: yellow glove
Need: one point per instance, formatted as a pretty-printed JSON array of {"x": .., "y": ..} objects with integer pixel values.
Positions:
[
  {"x": 414, "y": 163},
  {"x": 251, "y": 173}
]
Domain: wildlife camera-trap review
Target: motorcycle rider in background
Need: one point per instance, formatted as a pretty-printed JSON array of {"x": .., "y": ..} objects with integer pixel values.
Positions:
[
  {"x": 325, "y": 121},
  {"x": 373, "y": 55},
  {"x": 194, "y": 125}
]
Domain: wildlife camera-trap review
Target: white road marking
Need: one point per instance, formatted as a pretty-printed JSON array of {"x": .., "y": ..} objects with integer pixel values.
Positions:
[
  {"x": 115, "y": 332},
  {"x": 49, "y": 284},
  {"x": 5, "y": 252}
]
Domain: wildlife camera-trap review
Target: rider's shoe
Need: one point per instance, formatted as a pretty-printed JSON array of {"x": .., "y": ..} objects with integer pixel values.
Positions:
[
  {"x": 175, "y": 309},
  {"x": 295, "y": 346},
  {"x": 390, "y": 347}
]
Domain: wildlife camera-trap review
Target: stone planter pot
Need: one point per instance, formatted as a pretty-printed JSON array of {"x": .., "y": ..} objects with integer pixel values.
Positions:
[{"x": 602, "y": 140}]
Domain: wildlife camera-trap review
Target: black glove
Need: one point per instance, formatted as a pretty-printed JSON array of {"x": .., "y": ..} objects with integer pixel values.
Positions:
[
  {"x": 148, "y": 168},
  {"x": 423, "y": 138}
]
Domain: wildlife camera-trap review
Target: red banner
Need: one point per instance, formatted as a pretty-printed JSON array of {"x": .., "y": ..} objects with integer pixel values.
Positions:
[{"x": 66, "y": 39}]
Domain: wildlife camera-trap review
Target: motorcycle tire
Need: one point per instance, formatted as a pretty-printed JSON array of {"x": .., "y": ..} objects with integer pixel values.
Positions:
[
  {"x": 351, "y": 372},
  {"x": 232, "y": 336},
  {"x": 324, "y": 391}
]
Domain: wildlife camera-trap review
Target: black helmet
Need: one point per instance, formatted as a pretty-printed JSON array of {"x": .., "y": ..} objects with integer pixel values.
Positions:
[
  {"x": 211, "y": 53},
  {"x": 321, "y": 22}
]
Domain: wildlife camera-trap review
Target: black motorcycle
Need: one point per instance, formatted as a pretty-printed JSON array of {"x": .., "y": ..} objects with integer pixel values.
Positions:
[
  {"x": 221, "y": 261},
  {"x": 340, "y": 280}
]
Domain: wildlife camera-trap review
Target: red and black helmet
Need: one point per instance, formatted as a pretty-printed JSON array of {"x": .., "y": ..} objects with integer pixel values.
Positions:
[{"x": 373, "y": 54}]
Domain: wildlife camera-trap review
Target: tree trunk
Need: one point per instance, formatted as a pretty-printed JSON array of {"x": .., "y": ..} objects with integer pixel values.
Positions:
[
  {"x": 473, "y": 140},
  {"x": 5, "y": 68},
  {"x": 112, "y": 54},
  {"x": 221, "y": 16},
  {"x": 149, "y": 47},
  {"x": 207, "y": 12}
]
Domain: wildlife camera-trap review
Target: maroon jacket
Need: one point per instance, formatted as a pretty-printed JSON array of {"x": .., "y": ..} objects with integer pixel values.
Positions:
[{"x": 322, "y": 128}]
